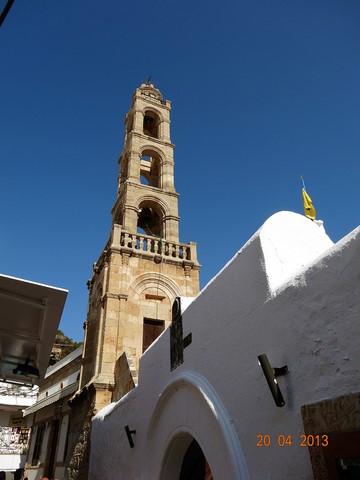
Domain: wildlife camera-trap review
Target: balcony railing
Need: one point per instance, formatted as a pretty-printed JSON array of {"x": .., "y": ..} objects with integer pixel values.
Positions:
[{"x": 154, "y": 245}]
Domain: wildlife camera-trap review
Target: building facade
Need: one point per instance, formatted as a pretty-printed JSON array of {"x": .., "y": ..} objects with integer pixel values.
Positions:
[
  {"x": 14, "y": 428},
  {"x": 49, "y": 418},
  {"x": 140, "y": 272}
]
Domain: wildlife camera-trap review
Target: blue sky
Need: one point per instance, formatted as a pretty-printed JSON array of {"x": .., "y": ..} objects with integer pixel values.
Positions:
[{"x": 262, "y": 92}]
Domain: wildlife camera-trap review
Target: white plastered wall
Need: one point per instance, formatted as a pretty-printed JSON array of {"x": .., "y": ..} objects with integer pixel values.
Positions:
[{"x": 292, "y": 296}]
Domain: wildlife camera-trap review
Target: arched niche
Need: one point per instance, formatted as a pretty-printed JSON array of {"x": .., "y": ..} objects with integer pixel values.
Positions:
[
  {"x": 157, "y": 281},
  {"x": 118, "y": 214},
  {"x": 129, "y": 122},
  {"x": 124, "y": 168},
  {"x": 153, "y": 293},
  {"x": 151, "y": 124},
  {"x": 150, "y": 218}
]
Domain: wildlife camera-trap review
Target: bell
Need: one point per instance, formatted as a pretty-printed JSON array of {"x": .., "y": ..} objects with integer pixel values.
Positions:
[{"x": 146, "y": 220}]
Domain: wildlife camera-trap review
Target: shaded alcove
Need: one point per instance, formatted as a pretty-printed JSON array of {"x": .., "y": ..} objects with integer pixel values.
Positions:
[
  {"x": 151, "y": 124},
  {"x": 124, "y": 168},
  {"x": 194, "y": 465},
  {"x": 149, "y": 219}
]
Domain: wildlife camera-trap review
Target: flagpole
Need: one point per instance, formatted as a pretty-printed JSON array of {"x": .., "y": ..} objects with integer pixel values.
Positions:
[{"x": 302, "y": 181}]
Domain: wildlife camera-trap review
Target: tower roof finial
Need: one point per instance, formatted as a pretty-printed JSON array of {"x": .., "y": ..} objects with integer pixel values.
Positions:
[{"x": 148, "y": 88}]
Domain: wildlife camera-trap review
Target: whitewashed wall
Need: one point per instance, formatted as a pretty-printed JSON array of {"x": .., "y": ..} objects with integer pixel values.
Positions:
[{"x": 288, "y": 293}]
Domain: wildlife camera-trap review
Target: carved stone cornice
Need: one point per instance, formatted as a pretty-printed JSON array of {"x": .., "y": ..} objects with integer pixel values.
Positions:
[
  {"x": 116, "y": 296},
  {"x": 157, "y": 191},
  {"x": 150, "y": 140}
]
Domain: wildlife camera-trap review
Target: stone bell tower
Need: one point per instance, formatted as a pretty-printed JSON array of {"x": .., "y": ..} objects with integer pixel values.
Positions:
[{"x": 141, "y": 270}]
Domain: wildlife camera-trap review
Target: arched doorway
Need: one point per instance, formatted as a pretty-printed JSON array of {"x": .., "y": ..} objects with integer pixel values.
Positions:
[
  {"x": 195, "y": 465},
  {"x": 174, "y": 427}
]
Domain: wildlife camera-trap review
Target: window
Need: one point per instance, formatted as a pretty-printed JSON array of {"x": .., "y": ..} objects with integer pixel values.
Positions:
[
  {"x": 342, "y": 455},
  {"x": 151, "y": 330},
  {"x": 52, "y": 448},
  {"x": 38, "y": 443}
]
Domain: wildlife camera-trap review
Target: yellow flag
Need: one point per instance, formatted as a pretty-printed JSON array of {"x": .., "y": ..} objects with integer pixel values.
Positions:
[{"x": 309, "y": 209}]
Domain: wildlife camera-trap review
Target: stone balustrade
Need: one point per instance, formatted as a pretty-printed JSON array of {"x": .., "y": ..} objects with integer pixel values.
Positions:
[
  {"x": 154, "y": 245},
  {"x": 147, "y": 246}
]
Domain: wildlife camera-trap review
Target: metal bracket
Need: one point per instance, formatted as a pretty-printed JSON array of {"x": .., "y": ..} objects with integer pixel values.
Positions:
[
  {"x": 270, "y": 375},
  {"x": 178, "y": 342},
  {"x": 278, "y": 372},
  {"x": 187, "y": 340},
  {"x": 129, "y": 434}
]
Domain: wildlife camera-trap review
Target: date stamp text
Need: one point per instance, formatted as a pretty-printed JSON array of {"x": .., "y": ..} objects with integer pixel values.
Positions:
[{"x": 289, "y": 440}]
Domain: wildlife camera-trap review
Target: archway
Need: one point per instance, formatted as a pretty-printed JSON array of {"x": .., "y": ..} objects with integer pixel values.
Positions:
[
  {"x": 150, "y": 218},
  {"x": 194, "y": 465},
  {"x": 151, "y": 124},
  {"x": 150, "y": 170},
  {"x": 189, "y": 409}
]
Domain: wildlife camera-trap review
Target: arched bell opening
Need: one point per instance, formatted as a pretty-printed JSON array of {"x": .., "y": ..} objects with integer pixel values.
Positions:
[
  {"x": 151, "y": 124},
  {"x": 124, "y": 169},
  {"x": 150, "y": 169},
  {"x": 144, "y": 180},
  {"x": 129, "y": 123},
  {"x": 118, "y": 217},
  {"x": 149, "y": 219}
]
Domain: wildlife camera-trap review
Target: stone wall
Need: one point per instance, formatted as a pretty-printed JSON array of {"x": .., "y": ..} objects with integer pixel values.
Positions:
[{"x": 78, "y": 454}]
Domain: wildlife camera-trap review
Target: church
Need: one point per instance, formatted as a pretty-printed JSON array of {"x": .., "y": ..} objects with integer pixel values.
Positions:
[
  {"x": 254, "y": 377},
  {"x": 267, "y": 383}
]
